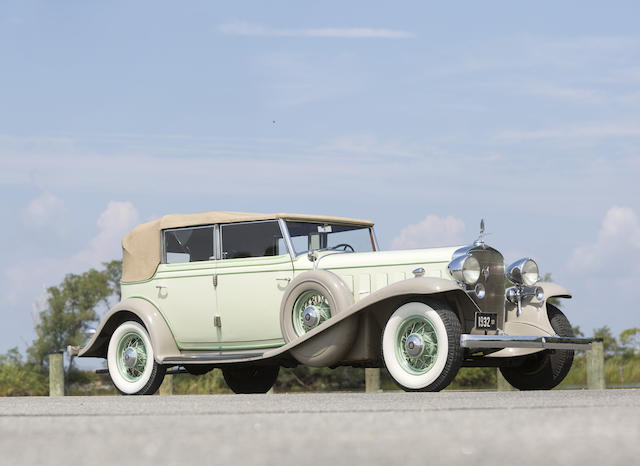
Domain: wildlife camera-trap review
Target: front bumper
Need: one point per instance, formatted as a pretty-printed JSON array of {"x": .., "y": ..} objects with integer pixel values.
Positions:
[{"x": 513, "y": 341}]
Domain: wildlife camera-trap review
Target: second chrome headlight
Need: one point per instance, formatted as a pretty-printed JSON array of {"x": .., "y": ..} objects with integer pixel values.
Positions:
[
  {"x": 523, "y": 272},
  {"x": 465, "y": 269}
]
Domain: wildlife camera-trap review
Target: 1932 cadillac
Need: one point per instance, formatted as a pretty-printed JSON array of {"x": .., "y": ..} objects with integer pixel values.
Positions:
[{"x": 249, "y": 293}]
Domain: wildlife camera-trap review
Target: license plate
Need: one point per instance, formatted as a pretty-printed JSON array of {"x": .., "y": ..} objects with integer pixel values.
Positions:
[{"x": 486, "y": 321}]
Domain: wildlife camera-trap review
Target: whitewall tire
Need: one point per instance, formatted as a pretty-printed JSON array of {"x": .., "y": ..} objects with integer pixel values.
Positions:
[
  {"x": 421, "y": 346},
  {"x": 131, "y": 362}
]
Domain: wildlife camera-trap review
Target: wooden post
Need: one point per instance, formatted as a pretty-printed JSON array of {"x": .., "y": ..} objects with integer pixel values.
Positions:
[
  {"x": 372, "y": 379},
  {"x": 502, "y": 384},
  {"x": 595, "y": 366},
  {"x": 56, "y": 374},
  {"x": 167, "y": 385}
]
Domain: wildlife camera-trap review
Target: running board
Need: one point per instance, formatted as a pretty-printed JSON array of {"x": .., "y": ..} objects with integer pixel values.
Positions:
[
  {"x": 509, "y": 341},
  {"x": 170, "y": 371},
  {"x": 204, "y": 358}
]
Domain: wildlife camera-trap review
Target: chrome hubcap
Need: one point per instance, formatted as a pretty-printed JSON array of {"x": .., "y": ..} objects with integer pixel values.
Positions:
[
  {"x": 130, "y": 357},
  {"x": 414, "y": 345},
  {"x": 310, "y": 317},
  {"x": 310, "y": 310}
]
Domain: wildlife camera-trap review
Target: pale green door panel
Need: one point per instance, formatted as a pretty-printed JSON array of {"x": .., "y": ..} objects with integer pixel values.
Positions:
[
  {"x": 187, "y": 300},
  {"x": 250, "y": 291}
]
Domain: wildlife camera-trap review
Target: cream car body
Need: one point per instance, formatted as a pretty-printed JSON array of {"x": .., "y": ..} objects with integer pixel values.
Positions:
[{"x": 207, "y": 299}]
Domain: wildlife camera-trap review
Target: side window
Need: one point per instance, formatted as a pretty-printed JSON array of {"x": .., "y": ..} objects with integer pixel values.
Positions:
[
  {"x": 188, "y": 245},
  {"x": 257, "y": 239}
]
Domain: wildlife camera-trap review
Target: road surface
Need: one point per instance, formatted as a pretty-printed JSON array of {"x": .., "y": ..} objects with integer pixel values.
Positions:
[{"x": 470, "y": 428}]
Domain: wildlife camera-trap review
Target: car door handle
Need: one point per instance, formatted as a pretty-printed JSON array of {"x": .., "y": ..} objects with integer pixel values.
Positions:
[{"x": 283, "y": 279}]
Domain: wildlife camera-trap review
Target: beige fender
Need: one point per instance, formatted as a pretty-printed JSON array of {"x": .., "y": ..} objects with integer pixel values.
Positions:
[
  {"x": 534, "y": 320},
  {"x": 329, "y": 346},
  {"x": 164, "y": 344},
  {"x": 337, "y": 332}
]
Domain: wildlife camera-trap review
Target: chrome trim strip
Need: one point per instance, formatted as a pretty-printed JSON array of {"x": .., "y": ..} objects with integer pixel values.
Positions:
[
  {"x": 512, "y": 341},
  {"x": 211, "y": 357}
]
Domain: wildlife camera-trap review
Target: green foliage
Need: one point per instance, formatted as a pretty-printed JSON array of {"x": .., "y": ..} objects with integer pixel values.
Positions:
[
  {"x": 320, "y": 379},
  {"x": 209, "y": 383},
  {"x": 576, "y": 331},
  {"x": 20, "y": 378},
  {"x": 630, "y": 341},
  {"x": 609, "y": 341},
  {"x": 474, "y": 378},
  {"x": 71, "y": 306}
]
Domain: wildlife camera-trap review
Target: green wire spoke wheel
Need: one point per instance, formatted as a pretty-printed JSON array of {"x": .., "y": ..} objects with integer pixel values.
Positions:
[
  {"x": 310, "y": 310},
  {"x": 417, "y": 345},
  {"x": 132, "y": 357}
]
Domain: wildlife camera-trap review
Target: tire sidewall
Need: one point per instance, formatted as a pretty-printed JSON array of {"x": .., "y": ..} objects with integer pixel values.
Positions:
[
  {"x": 122, "y": 384},
  {"x": 389, "y": 351}
]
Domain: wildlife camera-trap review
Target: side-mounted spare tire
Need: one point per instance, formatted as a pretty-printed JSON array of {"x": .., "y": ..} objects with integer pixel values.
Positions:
[{"x": 311, "y": 300}]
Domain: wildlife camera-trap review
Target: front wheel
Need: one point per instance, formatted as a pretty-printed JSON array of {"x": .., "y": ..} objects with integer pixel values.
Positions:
[
  {"x": 131, "y": 362},
  {"x": 421, "y": 346},
  {"x": 545, "y": 369},
  {"x": 250, "y": 379}
]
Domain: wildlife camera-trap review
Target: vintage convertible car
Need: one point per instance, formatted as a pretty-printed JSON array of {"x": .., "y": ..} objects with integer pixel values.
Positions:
[{"x": 249, "y": 293}]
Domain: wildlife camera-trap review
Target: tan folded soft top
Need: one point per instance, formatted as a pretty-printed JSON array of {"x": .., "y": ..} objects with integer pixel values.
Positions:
[{"x": 142, "y": 248}]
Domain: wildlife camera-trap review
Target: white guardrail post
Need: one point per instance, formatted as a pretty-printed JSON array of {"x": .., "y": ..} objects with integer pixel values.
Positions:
[
  {"x": 372, "y": 379},
  {"x": 595, "y": 366},
  {"x": 56, "y": 374}
]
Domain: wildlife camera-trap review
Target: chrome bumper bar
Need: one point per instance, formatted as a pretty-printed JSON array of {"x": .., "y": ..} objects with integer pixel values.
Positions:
[{"x": 512, "y": 341}]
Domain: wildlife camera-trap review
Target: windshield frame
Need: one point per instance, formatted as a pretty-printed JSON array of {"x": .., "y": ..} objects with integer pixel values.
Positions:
[{"x": 289, "y": 242}]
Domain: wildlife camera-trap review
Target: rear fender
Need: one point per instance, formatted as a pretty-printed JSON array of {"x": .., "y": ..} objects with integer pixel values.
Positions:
[{"x": 139, "y": 309}]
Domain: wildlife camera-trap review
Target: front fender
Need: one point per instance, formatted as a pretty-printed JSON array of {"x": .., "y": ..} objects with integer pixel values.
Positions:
[
  {"x": 534, "y": 319},
  {"x": 164, "y": 345},
  {"x": 553, "y": 290}
]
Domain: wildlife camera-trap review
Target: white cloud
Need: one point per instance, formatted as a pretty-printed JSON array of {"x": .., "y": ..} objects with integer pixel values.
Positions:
[
  {"x": 45, "y": 212},
  {"x": 573, "y": 132},
  {"x": 27, "y": 278},
  {"x": 114, "y": 223},
  {"x": 617, "y": 247},
  {"x": 248, "y": 29},
  {"x": 433, "y": 231}
]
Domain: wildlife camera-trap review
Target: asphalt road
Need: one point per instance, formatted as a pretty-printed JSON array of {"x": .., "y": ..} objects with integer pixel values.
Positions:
[{"x": 471, "y": 428}]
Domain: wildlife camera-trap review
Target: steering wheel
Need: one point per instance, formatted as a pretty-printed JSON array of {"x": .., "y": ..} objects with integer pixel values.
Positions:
[{"x": 344, "y": 246}]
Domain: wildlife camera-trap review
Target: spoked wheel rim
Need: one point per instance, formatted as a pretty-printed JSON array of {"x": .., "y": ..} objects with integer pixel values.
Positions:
[
  {"x": 310, "y": 310},
  {"x": 416, "y": 345},
  {"x": 131, "y": 357}
]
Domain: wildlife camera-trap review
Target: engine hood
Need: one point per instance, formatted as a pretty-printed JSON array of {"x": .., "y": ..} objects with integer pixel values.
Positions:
[{"x": 417, "y": 257}]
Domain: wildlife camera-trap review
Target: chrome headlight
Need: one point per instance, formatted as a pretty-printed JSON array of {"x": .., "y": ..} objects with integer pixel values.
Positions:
[
  {"x": 465, "y": 269},
  {"x": 523, "y": 272}
]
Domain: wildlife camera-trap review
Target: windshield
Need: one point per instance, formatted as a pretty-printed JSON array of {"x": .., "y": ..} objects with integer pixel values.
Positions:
[{"x": 307, "y": 236}]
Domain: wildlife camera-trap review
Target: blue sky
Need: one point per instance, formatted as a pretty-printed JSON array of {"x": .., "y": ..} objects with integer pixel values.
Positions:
[{"x": 423, "y": 117}]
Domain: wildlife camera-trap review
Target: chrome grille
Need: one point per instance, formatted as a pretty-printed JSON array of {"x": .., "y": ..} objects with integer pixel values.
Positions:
[{"x": 493, "y": 301}]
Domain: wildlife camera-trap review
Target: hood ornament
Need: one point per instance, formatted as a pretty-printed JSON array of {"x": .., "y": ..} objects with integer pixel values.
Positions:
[{"x": 480, "y": 240}]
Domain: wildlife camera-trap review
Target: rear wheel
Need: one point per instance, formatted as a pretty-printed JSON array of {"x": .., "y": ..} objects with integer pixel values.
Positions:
[
  {"x": 421, "y": 346},
  {"x": 131, "y": 362},
  {"x": 545, "y": 369},
  {"x": 250, "y": 379}
]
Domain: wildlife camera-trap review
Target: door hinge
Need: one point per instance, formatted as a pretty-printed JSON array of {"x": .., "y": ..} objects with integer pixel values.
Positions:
[
  {"x": 215, "y": 280},
  {"x": 217, "y": 321}
]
